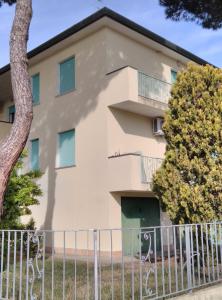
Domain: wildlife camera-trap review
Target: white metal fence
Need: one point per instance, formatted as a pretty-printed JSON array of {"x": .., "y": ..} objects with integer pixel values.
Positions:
[{"x": 140, "y": 263}]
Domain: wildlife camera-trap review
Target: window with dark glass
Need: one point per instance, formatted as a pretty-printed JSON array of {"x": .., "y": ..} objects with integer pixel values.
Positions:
[
  {"x": 67, "y": 76},
  {"x": 11, "y": 114}
]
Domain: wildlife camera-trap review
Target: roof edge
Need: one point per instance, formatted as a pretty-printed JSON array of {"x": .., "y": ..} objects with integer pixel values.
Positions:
[{"x": 106, "y": 12}]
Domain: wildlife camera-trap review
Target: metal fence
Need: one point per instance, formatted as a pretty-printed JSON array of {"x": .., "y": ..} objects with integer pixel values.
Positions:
[
  {"x": 153, "y": 88},
  {"x": 139, "y": 263}
]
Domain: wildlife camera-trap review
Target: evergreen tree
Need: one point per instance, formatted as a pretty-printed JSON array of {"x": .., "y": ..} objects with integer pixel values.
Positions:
[
  {"x": 189, "y": 182},
  {"x": 207, "y": 13},
  {"x": 9, "y": 2},
  {"x": 21, "y": 193}
]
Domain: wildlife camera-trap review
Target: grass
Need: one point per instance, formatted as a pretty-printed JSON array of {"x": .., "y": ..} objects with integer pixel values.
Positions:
[
  {"x": 60, "y": 280},
  {"x": 65, "y": 281}
]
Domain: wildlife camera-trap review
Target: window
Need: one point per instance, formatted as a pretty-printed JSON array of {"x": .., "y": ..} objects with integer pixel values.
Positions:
[
  {"x": 34, "y": 154},
  {"x": 158, "y": 126},
  {"x": 173, "y": 76},
  {"x": 36, "y": 89},
  {"x": 11, "y": 113},
  {"x": 67, "y": 76},
  {"x": 66, "y": 153}
]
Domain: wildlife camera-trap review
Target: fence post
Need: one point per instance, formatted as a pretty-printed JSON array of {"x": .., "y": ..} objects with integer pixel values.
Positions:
[
  {"x": 95, "y": 246},
  {"x": 188, "y": 257}
]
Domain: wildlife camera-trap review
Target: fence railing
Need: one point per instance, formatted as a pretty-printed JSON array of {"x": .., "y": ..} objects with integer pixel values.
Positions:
[
  {"x": 153, "y": 88},
  {"x": 137, "y": 263},
  {"x": 149, "y": 165}
]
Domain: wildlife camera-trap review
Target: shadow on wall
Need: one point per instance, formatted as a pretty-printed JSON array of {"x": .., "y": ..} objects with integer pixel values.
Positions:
[
  {"x": 133, "y": 124},
  {"x": 67, "y": 112},
  {"x": 137, "y": 125}
]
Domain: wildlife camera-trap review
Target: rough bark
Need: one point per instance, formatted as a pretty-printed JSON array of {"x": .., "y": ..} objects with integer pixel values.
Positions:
[{"x": 13, "y": 145}]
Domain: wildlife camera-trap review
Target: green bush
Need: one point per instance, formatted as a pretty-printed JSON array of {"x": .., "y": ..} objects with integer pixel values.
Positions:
[{"x": 22, "y": 192}]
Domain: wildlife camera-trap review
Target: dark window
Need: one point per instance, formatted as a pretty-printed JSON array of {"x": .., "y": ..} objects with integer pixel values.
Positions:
[{"x": 11, "y": 113}]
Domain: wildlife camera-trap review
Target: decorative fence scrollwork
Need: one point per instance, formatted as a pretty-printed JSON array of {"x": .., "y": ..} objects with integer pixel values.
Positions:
[
  {"x": 147, "y": 263},
  {"x": 35, "y": 262},
  {"x": 132, "y": 263}
]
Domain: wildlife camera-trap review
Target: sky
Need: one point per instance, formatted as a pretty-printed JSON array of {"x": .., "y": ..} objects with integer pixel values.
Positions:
[{"x": 51, "y": 17}]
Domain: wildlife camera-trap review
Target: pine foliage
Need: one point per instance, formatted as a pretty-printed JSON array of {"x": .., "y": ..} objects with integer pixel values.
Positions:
[
  {"x": 207, "y": 13},
  {"x": 9, "y": 2}
]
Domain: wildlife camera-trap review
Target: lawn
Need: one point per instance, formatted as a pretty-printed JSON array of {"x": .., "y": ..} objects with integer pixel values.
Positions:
[
  {"x": 75, "y": 280},
  {"x": 119, "y": 278}
]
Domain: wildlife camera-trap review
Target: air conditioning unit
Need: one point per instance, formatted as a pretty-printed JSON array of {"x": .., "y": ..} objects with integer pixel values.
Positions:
[{"x": 157, "y": 126}]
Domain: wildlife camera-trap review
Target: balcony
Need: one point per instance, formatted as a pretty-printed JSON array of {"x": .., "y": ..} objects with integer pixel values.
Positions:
[
  {"x": 132, "y": 172},
  {"x": 137, "y": 92},
  {"x": 153, "y": 88},
  {"x": 4, "y": 129}
]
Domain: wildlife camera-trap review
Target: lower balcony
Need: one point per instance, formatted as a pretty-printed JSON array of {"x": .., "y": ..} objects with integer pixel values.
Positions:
[
  {"x": 132, "y": 172},
  {"x": 4, "y": 129}
]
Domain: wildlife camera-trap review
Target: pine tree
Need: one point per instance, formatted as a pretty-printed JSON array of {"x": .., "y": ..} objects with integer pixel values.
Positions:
[
  {"x": 189, "y": 182},
  {"x": 207, "y": 13}
]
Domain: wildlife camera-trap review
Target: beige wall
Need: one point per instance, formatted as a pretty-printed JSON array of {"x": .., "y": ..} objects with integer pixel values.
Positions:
[
  {"x": 4, "y": 110},
  {"x": 89, "y": 194},
  {"x": 72, "y": 194},
  {"x": 129, "y": 133},
  {"x": 4, "y": 129},
  {"x": 122, "y": 51},
  {"x": 124, "y": 174}
]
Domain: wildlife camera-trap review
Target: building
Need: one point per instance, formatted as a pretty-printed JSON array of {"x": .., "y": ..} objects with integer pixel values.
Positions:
[{"x": 97, "y": 89}]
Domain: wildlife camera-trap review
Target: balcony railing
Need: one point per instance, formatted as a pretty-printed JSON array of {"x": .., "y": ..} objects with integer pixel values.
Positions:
[
  {"x": 149, "y": 166},
  {"x": 153, "y": 88}
]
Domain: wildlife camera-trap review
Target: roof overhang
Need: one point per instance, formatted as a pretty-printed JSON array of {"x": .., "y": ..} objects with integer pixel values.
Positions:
[{"x": 105, "y": 18}]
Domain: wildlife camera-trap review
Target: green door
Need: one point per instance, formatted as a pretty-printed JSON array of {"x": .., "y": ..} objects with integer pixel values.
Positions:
[{"x": 139, "y": 212}]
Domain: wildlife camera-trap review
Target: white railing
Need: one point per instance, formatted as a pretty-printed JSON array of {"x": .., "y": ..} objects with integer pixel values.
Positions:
[
  {"x": 153, "y": 88},
  {"x": 127, "y": 263},
  {"x": 149, "y": 166}
]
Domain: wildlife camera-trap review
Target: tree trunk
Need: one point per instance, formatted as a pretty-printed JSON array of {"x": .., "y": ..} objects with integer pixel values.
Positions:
[{"x": 13, "y": 145}]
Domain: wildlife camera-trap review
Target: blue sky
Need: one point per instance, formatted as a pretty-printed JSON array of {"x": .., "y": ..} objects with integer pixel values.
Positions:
[{"x": 53, "y": 16}]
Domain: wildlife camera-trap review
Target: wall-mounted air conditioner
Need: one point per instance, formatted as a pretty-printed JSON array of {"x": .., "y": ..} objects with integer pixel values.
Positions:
[{"x": 157, "y": 126}]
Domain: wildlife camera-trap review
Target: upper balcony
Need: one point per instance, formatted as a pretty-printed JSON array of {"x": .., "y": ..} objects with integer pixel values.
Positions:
[
  {"x": 132, "y": 172},
  {"x": 4, "y": 129},
  {"x": 137, "y": 92}
]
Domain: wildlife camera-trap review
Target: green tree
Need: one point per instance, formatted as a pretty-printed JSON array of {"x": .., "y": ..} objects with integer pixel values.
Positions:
[
  {"x": 189, "y": 182},
  {"x": 207, "y": 13},
  {"x": 21, "y": 193},
  {"x": 10, "y": 2}
]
